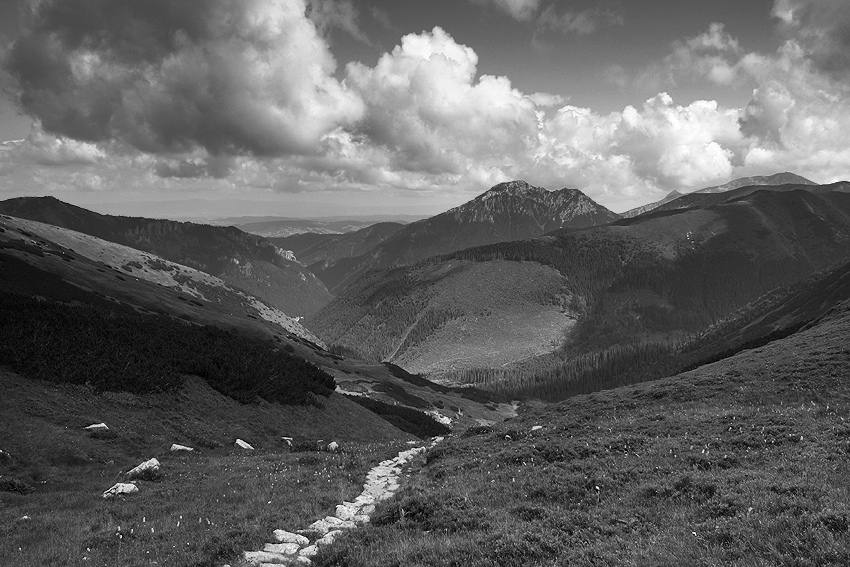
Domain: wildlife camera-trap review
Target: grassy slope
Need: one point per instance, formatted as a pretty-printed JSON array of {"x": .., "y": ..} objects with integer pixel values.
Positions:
[
  {"x": 649, "y": 279},
  {"x": 741, "y": 462},
  {"x": 244, "y": 260},
  {"x": 209, "y": 506},
  {"x": 469, "y": 313}
]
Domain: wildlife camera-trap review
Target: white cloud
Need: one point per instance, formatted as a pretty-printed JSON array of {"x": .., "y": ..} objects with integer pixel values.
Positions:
[
  {"x": 522, "y": 10},
  {"x": 584, "y": 22}
]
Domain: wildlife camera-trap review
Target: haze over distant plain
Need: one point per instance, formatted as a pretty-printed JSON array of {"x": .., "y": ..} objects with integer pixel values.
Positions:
[{"x": 320, "y": 107}]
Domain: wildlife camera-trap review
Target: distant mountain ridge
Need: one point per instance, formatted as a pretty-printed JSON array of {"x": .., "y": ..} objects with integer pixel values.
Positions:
[
  {"x": 650, "y": 278},
  {"x": 784, "y": 178},
  {"x": 514, "y": 210},
  {"x": 246, "y": 261}
]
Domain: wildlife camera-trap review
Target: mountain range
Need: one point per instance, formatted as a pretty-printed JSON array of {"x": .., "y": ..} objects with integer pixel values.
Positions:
[
  {"x": 509, "y": 211},
  {"x": 657, "y": 277},
  {"x": 244, "y": 260}
]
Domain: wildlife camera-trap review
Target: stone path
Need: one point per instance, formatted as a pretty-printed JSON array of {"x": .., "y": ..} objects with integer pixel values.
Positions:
[{"x": 297, "y": 548}]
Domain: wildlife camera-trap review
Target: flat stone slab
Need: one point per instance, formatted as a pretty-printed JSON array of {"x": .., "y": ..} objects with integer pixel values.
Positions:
[
  {"x": 288, "y": 537},
  {"x": 176, "y": 447},
  {"x": 282, "y": 548},
  {"x": 266, "y": 557},
  {"x": 120, "y": 489}
]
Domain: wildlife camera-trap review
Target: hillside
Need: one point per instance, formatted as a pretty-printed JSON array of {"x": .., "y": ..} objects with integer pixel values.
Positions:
[
  {"x": 246, "y": 261},
  {"x": 651, "y": 206},
  {"x": 311, "y": 248},
  {"x": 652, "y": 279},
  {"x": 742, "y": 462},
  {"x": 86, "y": 270},
  {"x": 508, "y": 211},
  {"x": 784, "y": 178}
]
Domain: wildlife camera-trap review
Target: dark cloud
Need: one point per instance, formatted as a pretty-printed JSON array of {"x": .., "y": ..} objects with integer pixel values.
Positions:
[
  {"x": 822, "y": 27},
  {"x": 231, "y": 76}
]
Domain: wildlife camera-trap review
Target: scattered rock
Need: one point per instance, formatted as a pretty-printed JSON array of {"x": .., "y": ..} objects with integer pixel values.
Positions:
[
  {"x": 120, "y": 489},
  {"x": 4, "y": 456},
  {"x": 243, "y": 445},
  {"x": 149, "y": 470},
  {"x": 176, "y": 447},
  {"x": 288, "y": 537},
  {"x": 24, "y": 519},
  {"x": 333, "y": 446},
  {"x": 537, "y": 427},
  {"x": 97, "y": 427},
  {"x": 287, "y": 440}
]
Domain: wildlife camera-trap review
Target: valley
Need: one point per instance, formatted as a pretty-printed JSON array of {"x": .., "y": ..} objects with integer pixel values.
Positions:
[{"x": 660, "y": 388}]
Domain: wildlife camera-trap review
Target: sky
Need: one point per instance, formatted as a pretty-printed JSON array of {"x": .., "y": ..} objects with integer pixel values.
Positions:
[{"x": 361, "y": 107}]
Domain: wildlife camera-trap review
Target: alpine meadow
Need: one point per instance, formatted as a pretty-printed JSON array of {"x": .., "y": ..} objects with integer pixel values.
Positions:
[{"x": 373, "y": 283}]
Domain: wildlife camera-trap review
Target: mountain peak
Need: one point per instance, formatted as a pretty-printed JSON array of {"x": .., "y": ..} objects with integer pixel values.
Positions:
[{"x": 518, "y": 187}]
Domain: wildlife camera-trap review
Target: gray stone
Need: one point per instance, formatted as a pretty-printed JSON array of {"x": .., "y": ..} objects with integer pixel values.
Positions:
[
  {"x": 288, "y": 537},
  {"x": 97, "y": 427},
  {"x": 120, "y": 489},
  {"x": 176, "y": 447},
  {"x": 282, "y": 548},
  {"x": 149, "y": 467},
  {"x": 243, "y": 445}
]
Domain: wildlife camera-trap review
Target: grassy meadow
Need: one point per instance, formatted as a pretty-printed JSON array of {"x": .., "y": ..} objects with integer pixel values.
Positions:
[
  {"x": 206, "y": 508},
  {"x": 741, "y": 462}
]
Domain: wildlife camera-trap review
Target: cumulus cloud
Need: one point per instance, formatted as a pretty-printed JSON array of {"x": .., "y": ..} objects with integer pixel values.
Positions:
[
  {"x": 522, "y": 10},
  {"x": 341, "y": 14},
  {"x": 822, "y": 28},
  {"x": 426, "y": 106},
  {"x": 231, "y": 76}
]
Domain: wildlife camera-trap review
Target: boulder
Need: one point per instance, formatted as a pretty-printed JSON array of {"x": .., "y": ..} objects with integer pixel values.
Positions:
[
  {"x": 97, "y": 427},
  {"x": 259, "y": 557},
  {"x": 287, "y": 440},
  {"x": 243, "y": 445},
  {"x": 4, "y": 456},
  {"x": 176, "y": 447},
  {"x": 288, "y": 537},
  {"x": 346, "y": 511},
  {"x": 537, "y": 428},
  {"x": 120, "y": 489},
  {"x": 148, "y": 470},
  {"x": 333, "y": 446}
]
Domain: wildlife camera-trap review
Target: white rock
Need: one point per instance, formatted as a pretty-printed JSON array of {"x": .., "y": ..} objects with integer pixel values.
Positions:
[
  {"x": 282, "y": 548},
  {"x": 5, "y": 456},
  {"x": 288, "y": 537},
  {"x": 287, "y": 440},
  {"x": 120, "y": 489},
  {"x": 98, "y": 427},
  {"x": 361, "y": 519},
  {"x": 537, "y": 428},
  {"x": 303, "y": 560},
  {"x": 150, "y": 466},
  {"x": 243, "y": 445},
  {"x": 308, "y": 551},
  {"x": 333, "y": 446},
  {"x": 346, "y": 511},
  {"x": 328, "y": 538},
  {"x": 257, "y": 557},
  {"x": 176, "y": 447}
]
